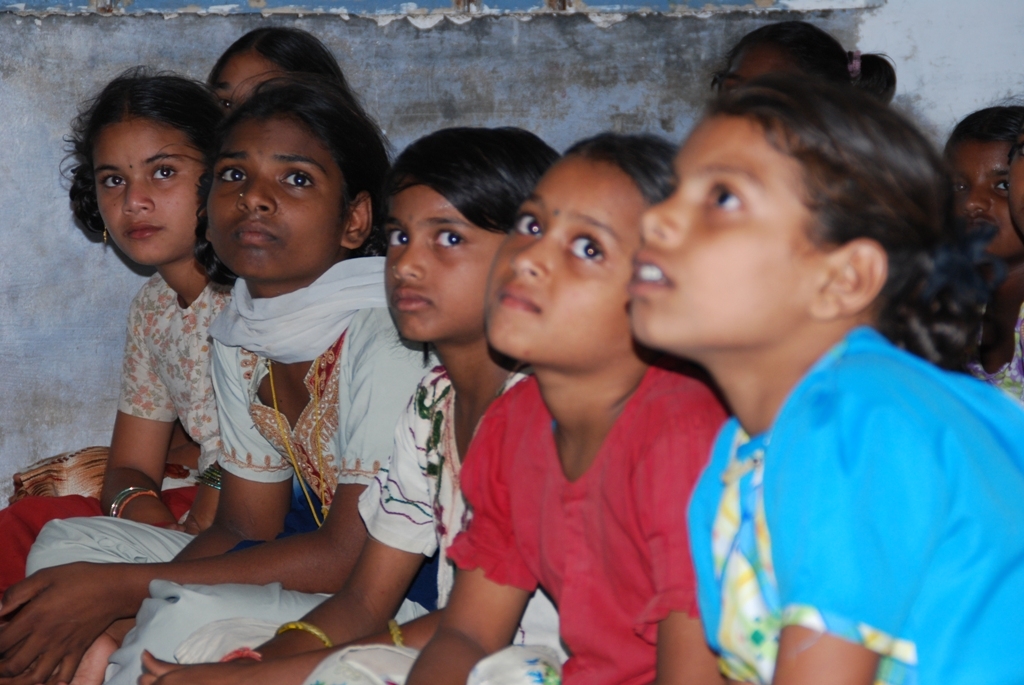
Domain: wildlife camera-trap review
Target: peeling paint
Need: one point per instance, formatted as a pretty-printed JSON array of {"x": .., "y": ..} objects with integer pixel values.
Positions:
[{"x": 605, "y": 12}]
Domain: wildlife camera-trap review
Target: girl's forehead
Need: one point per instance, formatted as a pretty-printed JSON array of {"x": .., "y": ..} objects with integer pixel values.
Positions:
[
  {"x": 141, "y": 135},
  {"x": 276, "y": 135},
  {"x": 730, "y": 142}
]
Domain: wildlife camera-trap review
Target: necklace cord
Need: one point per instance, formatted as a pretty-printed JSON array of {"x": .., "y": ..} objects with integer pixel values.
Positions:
[{"x": 286, "y": 438}]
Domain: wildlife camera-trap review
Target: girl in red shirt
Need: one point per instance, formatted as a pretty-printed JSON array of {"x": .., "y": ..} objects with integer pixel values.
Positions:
[{"x": 578, "y": 478}]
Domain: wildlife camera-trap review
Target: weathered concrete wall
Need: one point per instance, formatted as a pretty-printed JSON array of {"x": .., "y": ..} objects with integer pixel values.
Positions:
[{"x": 63, "y": 298}]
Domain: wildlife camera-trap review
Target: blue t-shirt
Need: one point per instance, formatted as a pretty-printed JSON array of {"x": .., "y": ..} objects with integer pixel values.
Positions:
[{"x": 885, "y": 505}]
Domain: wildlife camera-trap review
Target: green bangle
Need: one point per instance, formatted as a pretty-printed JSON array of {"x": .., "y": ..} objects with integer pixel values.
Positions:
[{"x": 211, "y": 477}]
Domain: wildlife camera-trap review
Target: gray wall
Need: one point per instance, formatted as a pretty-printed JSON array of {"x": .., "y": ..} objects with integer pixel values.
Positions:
[{"x": 63, "y": 297}]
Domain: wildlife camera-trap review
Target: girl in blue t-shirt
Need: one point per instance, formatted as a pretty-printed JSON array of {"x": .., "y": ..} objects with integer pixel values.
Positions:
[{"x": 860, "y": 519}]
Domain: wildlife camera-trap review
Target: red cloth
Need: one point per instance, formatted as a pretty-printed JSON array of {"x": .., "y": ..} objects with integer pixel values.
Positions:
[
  {"x": 610, "y": 548},
  {"x": 21, "y": 522}
]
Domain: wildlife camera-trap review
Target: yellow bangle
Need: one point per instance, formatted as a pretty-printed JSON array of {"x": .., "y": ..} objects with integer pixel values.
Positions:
[
  {"x": 396, "y": 633},
  {"x": 306, "y": 628}
]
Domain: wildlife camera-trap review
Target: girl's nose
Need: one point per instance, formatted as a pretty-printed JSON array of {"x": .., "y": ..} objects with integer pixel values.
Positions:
[
  {"x": 654, "y": 229},
  {"x": 533, "y": 259},
  {"x": 978, "y": 201},
  {"x": 137, "y": 198},
  {"x": 406, "y": 264},
  {"x": 255, "y": 198}
]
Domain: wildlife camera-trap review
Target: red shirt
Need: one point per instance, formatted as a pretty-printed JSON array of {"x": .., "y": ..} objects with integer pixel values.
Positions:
[{"x": 610, "y": 548}]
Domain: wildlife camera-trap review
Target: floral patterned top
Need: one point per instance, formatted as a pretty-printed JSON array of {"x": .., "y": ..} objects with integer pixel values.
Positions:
[
  {"x": 416, "y": 502},
  {"x": 166, "y": 370},
  {"x": 1010, "y": 377},
  {"x": 357, "y": 389}
]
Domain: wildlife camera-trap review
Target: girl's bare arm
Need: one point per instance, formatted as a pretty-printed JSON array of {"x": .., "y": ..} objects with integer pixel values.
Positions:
[
  {"x": 370, "y": 596},
  {"x": 683, "y": 656},
  {"x": 481, "y": 618},
  {"x": 807, "y": 657},
  {"x": 138, "y": 454}
]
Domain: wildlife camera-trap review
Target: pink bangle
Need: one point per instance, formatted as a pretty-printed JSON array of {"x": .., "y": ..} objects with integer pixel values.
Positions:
[{"x": 241, "y": 653}]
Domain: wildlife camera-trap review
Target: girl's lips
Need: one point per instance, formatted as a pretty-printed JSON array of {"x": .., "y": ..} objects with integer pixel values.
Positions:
[
  {"x": 141, "y": 231},
  {"x": 513, "y": 299},
  {"x": 647, "y": 275},
  {"x": 409, "y": 301},
  {"x": 253, "y": 233}
]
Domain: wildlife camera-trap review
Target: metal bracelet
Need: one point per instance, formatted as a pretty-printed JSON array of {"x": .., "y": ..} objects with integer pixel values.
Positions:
[
  {"x": 122, "y": 497},
  {"x": 211, "y": 477}
]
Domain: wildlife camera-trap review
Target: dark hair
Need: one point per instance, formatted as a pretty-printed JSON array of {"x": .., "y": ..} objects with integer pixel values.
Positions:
[
  {"x": 645, "y": 158},
  {"x": 815, "y": 52},
  {"x": 485, "y": 173},
  {"x": 354, "y": 140},
  {"x": 292, "y": 50},
  {"x": 869, "y": 173},
  {"x": 989, "y": 125},
  {"x": 170, "y": 100}
]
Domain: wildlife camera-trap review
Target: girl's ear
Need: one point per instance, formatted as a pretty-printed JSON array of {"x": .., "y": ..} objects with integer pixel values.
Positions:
[
  {"x": 855, "y": 274},
  {"x": 358, "y": 222}
]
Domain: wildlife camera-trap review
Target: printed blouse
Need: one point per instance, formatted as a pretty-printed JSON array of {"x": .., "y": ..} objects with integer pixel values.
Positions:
[
  {"x": 166, "y": 370},
  {"x": 416, "y": 502},
  {"x": 1010, "y": 376},
  {"x": 883, "y": 506},
  {"x": 358, "y": 388}
]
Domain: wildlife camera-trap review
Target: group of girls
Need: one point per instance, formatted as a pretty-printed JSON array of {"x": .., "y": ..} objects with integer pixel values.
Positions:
[{"x": 525, "y": 404}]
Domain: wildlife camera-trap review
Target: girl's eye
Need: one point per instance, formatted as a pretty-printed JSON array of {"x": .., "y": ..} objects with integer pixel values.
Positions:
[
  {"x": 449, "y": 238},
  {"x": 226, "y": 104},
  {"x": 112, "y": 181},
  {"x": 163, "y": 172},
  {"x": 1003, "y": 186},
  {"x": 959, "y": 188},
  {"x": 726, "y": 200},
  {"x": 397, "y": 238},
  {"x": 298, "y": 179},
  {"x": 585, "y": 248},
  {"x": 527, "y": 225},
  {"x": 231, "y": 174}
]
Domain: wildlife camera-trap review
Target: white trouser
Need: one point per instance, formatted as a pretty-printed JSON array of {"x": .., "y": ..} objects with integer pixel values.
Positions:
[
  {"x": 103, "y": 540},
  {"x": 173, "y": 612}
]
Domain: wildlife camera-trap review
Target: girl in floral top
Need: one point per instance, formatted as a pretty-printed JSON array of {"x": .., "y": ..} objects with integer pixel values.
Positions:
[
  {"x": 860, "y": 519},
  {"x": 140, "y": 145}
]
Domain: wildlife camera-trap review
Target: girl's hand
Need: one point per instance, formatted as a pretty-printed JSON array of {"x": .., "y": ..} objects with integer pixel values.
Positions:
[
  {"x": 241, "y": 672},
  {"x": 204, "y": 508},
  {"x": 55, "y": 616},
  {"x": 153, "y": 668}
]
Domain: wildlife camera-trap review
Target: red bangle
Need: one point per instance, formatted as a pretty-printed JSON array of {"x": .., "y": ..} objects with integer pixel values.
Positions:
[
  {"x": 135, "y": 495},
  {"x": 241, "y": 653}
]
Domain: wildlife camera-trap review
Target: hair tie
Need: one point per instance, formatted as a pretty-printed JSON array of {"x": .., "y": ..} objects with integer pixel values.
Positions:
[
  {"x": 853, "y": 63},
  {"x": 956, "y": 263}
]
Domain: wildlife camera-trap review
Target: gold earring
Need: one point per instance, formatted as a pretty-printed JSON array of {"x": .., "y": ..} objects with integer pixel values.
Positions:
[{"x": 104, "y": 236}]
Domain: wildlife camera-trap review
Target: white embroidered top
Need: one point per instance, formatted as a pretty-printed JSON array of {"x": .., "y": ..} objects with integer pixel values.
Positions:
[
  {"x": 416, "y": 503},
  {"x": 166, "y": 370},
  {"x": 360, "y": 385}
]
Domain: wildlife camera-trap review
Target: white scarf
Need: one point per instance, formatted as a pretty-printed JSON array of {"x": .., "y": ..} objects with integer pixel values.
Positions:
[{"x": 299, "y": 326}]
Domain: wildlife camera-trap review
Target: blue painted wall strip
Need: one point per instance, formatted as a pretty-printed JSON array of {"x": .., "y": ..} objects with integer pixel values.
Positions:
[{"x": 377, "y": 7}]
